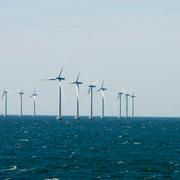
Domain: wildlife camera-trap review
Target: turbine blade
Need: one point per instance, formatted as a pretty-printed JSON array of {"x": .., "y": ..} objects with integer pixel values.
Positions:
[
  {"x": 34, "y": 97},
  {"x": 103, "y": 95},
  {"x": 72, "y": 83},
  {"x": 52, "y": 79},
  {"x": 3, "y": 96},
  {"x": 19, "y": 101},
  {"x": 62, "y": 89},
  {"x": 77, "y": 90},
  {"x": 61, "y": 71},
  {"x": 118, "y": 97},
  {"x": 78, "y": 77},
  {"x": 89, "y": 91},
  {"x": 102, "y": 86}
]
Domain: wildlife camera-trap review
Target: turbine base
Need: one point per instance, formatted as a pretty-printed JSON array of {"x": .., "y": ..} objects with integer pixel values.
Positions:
[
  {"x": 59, "y": 118},
  {"x": 76, "y": 117},
  {"x": 90, "y": 117}
]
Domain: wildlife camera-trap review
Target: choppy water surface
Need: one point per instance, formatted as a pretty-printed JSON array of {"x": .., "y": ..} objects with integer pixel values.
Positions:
[{"x": 44, "y": 148}]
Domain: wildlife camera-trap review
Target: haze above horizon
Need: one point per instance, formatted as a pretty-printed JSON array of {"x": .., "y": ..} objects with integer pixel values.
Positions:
[{"x": 131, "y": 44}]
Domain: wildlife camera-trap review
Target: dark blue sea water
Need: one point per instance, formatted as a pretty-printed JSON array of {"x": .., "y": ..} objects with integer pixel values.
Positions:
[{"x": 130, "y": 149}]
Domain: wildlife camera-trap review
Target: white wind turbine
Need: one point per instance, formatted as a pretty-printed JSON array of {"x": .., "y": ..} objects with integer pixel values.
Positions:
[
  {"x": 77, "y": 83},
  {"x": 59, "y": 78},
  {"x": 102, "y": 89},
  {"x": 34, "y": 95},
  {"x": 21, "y": 93},
  {"x": 127, "y": 104},
  {"x": 133, "y": 105},
  {"x": 5, "y": 96},
  {"x": 90, "y": 91},
  {"x": 120, "y": 93}
]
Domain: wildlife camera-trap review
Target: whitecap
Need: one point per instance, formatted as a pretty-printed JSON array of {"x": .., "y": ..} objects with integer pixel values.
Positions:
[
  {"x": 120, "y": 162},
  {"x": 136, "y": 143},
  {"x": 23, "y": 170},
  {"x": 12, "y": 168},
  {"x": 52, "y": 179},
  {"x": 24, "y": 140},
  {"x": 119, "y": 136},
  {"x": 125, "y": 142},
  {"x": 98, "y": 177}
]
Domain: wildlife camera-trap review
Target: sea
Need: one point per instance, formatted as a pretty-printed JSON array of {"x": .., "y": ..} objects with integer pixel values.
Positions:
[{"x": 86, "y": 149}]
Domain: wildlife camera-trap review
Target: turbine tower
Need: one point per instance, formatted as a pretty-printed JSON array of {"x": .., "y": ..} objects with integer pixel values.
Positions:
[
  {"x": 133, "y": 105},
  {"x": 59, "y": 78},
  {"x": 127, "y": 104},
  {"x": 90, "y": 91},
  {"x": 102, "y": 89},
  {"x": 5, "y": 96},
  {"x": 34, "y": 95},
  {"x": 21, "y": 102},
  {"x": 120, "y": 102},
  {"x": 77, "y": 84}
]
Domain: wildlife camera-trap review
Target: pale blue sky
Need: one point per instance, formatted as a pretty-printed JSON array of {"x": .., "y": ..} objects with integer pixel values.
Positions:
[{"x": 132, "y": 44}]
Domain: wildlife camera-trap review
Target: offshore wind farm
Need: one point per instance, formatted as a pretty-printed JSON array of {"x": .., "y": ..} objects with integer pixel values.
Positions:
[
  {"x": 61, "y": 95},
  {"x": 89, "y": 90}
]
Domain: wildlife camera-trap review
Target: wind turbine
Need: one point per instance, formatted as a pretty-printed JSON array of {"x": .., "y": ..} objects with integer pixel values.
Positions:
[
  {"x": 5, "y": 94},
  {"x": 90, "y": 91},
  {"x": 102, "y": 89},
  {"x": 34, "y": 95},
  {"x": 133, "y": 106},
  {"x": 77, "y": 84},
  {"x": 127, "y": 104},
  {"x": 120, "y": 102},
  {"x": 59, "y": 78},
  {"x": 21, "y": 102}
]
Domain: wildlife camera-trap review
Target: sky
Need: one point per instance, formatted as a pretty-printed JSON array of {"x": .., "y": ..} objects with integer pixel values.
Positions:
[{"x": 132, "y": 44}]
